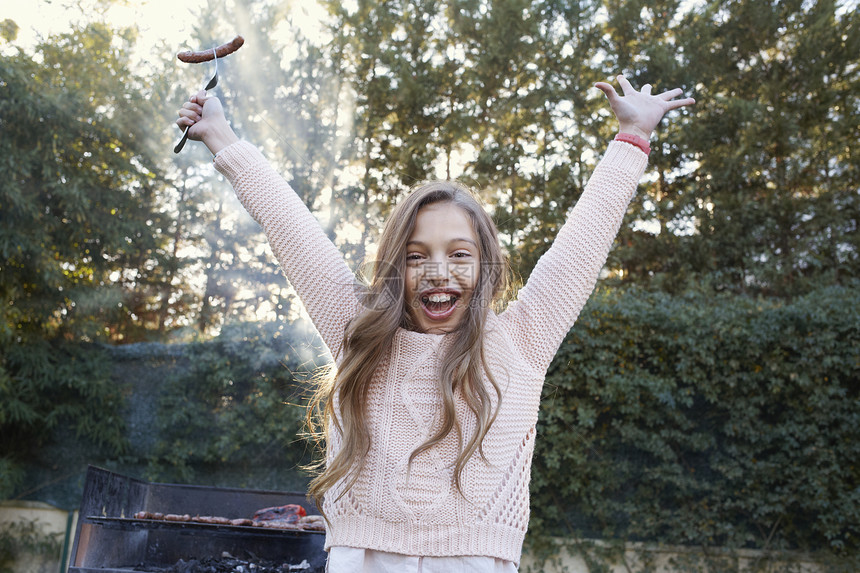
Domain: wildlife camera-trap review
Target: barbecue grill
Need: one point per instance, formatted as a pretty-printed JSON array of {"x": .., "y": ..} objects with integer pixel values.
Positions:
[{"x": 108, "y": 538}]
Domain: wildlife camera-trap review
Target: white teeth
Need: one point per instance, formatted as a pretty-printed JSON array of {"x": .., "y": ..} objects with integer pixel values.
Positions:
[{"x": 440, "y": 297}]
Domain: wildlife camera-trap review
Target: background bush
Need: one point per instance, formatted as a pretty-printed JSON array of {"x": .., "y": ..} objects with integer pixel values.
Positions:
[
  {"x": 707, "y": 420},
  {"x": 221, "y": 412}
]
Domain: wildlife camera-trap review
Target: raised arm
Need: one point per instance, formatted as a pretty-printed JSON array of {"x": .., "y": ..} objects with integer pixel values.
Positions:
[
  {"x": 311, "y": 262},
  {"x": 564, "y": 277}
]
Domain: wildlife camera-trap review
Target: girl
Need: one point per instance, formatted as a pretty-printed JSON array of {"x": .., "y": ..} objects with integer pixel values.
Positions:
[{"x": 430, "y": 417}]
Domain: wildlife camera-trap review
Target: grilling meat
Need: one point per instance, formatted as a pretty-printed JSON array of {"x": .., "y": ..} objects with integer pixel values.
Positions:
[
  {"x": 312, "y": 522},
  {"x": 283, "y": 513},
  {"x": 290, "y": 516},
  {"x": 221, "y": 51},
  {"x": 211, "y": 520}
]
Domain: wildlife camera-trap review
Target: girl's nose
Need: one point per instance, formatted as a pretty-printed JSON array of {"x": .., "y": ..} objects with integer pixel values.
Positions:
[{"x": 436, "y": 272}]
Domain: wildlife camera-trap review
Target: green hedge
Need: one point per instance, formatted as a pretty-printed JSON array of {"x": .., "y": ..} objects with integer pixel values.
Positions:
[
  {"x": 235, "y": 415},
  {"x": 716, "y": 421},
  {"x": 705, "y": 420},
  {"x": 222, "y": 412},
  {"x": 49, "y": 389}
]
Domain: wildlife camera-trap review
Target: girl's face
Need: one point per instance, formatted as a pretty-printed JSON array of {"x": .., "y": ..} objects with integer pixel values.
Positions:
[{"x": 442, "y": 263}]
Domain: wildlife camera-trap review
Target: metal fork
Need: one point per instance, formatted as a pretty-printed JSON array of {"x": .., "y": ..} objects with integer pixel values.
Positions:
[{"x": 211, "y": 84}]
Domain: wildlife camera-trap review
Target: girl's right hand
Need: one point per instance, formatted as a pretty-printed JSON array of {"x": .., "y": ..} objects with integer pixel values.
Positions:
[{"x": 203, "y": 116}]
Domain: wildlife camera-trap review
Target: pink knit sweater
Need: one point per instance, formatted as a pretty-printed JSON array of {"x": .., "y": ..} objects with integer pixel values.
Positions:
[{"x": 425, "y": 514}]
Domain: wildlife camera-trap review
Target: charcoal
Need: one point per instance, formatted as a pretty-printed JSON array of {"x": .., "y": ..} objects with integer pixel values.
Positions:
[{"x": 231, "y": 564}]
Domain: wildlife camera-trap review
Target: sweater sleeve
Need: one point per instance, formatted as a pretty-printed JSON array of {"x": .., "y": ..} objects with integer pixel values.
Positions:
[
  {"x": 311, "y": 262},
  {"x": 564, "y": 277}
]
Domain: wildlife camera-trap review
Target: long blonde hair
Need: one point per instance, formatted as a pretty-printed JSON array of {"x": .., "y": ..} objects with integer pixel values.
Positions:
[{"x": 370, "y": 336}]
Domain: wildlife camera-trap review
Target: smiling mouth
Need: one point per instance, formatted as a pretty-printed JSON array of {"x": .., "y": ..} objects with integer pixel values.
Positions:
[{"x": 439, "y": 305}]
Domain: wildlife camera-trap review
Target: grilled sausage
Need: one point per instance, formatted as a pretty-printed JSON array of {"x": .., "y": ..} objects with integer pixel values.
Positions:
[
  {"x": 312, "y": 522},
  {"x": 221, "y": 51},
  {"x": 212, "y": 520},
  {"x": 277, "y": 524}
]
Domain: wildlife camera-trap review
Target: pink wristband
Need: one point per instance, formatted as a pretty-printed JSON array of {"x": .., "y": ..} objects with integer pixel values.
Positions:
[{"x": 634, "y": 140}]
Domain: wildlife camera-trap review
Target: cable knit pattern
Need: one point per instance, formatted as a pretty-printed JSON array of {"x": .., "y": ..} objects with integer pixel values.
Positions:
[{"x": 418, "y": 510}]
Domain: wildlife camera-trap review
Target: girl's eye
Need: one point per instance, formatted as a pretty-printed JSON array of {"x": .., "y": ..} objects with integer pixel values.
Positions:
[
  {"x": 413, "y": 257},
  {"x": 462, "y": 254}
]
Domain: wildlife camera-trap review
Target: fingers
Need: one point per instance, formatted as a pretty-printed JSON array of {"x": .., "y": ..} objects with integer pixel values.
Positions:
[
  {"x": 608, "y": 90},
  {"x": 626, "y": 86},
  {"x": 672, "y": 103},
  {"x": 628, "y": 89},
  {"x": 192, "y": 107},
  {"x": 200, "y": 97},
  {"x": 675, "y": 104},
  {"x": 192, "y": 110},
  {"x": 196, "y": 107},
  {"x": 671, "y": 94},
  {"x": 187, "y": 118},
  {"x": 667, "y": 96}
]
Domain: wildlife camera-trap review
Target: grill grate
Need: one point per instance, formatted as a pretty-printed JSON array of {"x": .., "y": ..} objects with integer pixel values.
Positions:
[{"x": 109, "y": 540}]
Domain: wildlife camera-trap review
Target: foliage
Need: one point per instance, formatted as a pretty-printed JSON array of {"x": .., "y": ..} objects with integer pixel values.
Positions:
[
  {"x": 224, "y": 269},
  {"x": 239, "y": 404},
  {"x": 49, "y": 387},
  {"x": 76, "y": 209},
  {"x": 225, "y": 412},
  {"x": 707, "y": 421},
  {"x": 11, "y": 475},
  {"x": 758, "y": 194},
  {"x": 27, "y": 538},
  {"x": 79, "y": 255}
]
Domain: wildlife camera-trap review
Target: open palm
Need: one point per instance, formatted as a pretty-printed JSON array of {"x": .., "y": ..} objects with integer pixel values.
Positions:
[{"x": 639, "y": 112}]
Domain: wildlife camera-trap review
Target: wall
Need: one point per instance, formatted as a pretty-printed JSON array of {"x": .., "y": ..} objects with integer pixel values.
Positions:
[
  {"x": 668, "y": 559},
  {"x": 45, "y": 521}
]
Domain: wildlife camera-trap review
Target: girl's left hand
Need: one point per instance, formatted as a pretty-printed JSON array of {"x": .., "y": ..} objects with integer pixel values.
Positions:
[{"x": 639, "y": 112}]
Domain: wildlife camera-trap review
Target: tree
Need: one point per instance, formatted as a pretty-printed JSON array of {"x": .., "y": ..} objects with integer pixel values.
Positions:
[
  {"x": 537, "y": 133},
  {"x": 79, "y": 260},
  {"x": 758, "y": 194}
]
